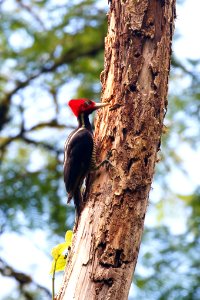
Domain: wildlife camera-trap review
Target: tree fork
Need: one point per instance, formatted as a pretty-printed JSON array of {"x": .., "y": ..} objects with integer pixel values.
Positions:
[{"x": 135, "y": 81}]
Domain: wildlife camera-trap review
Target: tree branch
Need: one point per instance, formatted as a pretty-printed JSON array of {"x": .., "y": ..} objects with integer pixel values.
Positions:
[
  {"x": 67, "y": 57},
  {"x": 29, "y": 141},
  {"x": 46, "y": 146},
  {"x": 20, "y": 277},
  {"x": 21, "y": 135},
  {"x": 53, "y": 124},
  {"x": 29, "y": 9}
]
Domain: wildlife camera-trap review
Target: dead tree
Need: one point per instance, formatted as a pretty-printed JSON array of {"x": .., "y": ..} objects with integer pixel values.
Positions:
[{"x": 135, "y": 81}]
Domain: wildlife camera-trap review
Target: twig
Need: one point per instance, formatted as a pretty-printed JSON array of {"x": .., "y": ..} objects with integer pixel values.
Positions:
[
  {"x": 31, "y": 12},
  {"x": 20, "y": 277}
]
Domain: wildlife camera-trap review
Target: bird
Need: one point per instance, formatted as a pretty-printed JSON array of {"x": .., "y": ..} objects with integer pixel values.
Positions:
[{"x": 80, "y": 151}]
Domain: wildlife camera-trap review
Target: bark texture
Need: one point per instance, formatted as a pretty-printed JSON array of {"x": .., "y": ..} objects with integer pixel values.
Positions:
[{"x": 135, "y": 81}]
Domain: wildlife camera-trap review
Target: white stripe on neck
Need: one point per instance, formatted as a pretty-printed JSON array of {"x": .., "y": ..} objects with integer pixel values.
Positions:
[{"x": 82, "y": 121}]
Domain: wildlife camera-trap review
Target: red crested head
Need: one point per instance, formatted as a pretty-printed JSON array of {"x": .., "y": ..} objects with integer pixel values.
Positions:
[{"x": 86, "y": 106}]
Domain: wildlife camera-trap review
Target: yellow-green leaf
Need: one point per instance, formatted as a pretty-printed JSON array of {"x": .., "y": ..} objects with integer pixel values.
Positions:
[
  {"x": 59, "y": 260},
  {"x": 58, "y": 264},
  {"x": 58, "y": 250},
  {"x": 68, "y": 238}
]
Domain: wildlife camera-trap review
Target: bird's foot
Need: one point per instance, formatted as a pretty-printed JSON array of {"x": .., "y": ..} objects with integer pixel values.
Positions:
[{"x": 105, "y": 161}]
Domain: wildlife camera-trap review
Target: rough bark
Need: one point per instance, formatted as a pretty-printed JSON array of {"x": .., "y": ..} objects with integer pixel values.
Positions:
[{"x": 135, "y": 81}]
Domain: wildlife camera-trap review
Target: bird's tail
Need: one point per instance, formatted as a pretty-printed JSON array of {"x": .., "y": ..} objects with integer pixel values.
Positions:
[
  {"x": 78, "y": 202},
  {"x": 69, "y": 198}
]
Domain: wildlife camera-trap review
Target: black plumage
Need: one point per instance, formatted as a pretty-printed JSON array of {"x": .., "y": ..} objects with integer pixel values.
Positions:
[
  {"x": 80, "y": 151},
  {"x": 78, "y": 154}
]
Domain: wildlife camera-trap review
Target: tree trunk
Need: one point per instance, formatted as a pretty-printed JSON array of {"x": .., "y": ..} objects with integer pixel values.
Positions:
[{"x": 135, "y": 81}]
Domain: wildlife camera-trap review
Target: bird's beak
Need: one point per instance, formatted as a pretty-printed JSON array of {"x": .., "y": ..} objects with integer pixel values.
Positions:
[{"x": 99, "y": 105}]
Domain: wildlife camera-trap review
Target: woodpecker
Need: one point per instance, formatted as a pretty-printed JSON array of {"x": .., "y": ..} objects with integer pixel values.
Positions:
[{"x": 80, "y": 150}]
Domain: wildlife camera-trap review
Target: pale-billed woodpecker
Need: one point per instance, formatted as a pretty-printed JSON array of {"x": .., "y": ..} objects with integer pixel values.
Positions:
[{"x": 80, "y": 151}]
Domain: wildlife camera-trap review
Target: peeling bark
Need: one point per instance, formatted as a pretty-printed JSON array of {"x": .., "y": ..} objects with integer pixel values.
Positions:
[{"x": 135, "y": 81}]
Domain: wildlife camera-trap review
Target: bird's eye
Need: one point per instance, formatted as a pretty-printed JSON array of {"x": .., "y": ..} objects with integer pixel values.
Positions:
[{"x": 87, "y": 103}]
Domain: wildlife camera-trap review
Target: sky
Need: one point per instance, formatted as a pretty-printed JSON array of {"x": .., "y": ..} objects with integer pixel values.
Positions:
[
  {"x": 187, "y": 46},
  {"x": 188, "y": 24},
  {"x": 34, "y": 249}
]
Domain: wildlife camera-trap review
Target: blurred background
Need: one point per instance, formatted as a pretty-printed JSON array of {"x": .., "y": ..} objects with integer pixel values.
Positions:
[{"x": 52, "y": 51}]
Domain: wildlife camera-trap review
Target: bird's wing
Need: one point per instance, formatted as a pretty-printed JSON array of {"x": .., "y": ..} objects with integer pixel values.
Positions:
[{"x": 78, "y": 153}]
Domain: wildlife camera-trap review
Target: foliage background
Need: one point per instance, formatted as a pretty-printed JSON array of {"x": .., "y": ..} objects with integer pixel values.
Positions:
[{"x": 52, "y": 51}]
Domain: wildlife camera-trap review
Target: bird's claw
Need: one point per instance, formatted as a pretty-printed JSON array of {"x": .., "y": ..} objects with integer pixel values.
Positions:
[
  {"x": 110, "y": 153},
  {"x": 105, "y": 161},
  {"x": 108, "y": 163}
]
